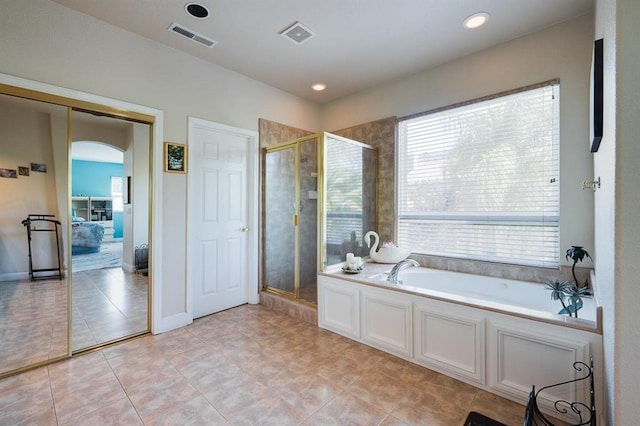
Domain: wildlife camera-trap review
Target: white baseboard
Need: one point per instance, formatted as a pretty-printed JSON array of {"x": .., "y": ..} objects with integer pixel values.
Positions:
[
  {"x": 14, "y": 276},
  {"x": 161, "y": 325}
]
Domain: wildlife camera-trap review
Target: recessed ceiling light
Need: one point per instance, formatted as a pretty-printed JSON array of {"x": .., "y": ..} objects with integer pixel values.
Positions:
[
  {"x": 319, "y": 87},
  {"x": 197, "y": 10},
  {"x": 476, "y": 20}
]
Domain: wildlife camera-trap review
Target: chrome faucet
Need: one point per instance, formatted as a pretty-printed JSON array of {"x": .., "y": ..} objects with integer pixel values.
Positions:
[{"x": 405, "y": 263}]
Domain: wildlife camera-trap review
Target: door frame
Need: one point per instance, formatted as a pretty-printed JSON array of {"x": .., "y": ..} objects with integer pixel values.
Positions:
[{"x": 253, "y": 157}]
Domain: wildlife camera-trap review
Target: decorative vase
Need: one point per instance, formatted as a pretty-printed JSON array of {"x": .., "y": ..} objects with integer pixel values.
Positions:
[{"x": 384, "y": 254}]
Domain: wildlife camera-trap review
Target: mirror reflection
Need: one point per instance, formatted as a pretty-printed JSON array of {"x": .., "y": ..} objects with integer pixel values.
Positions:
[
  {"x": 109, "y": 226},
  {"x": 33, "y": 178},
  {"x": 103, "y": 293}
]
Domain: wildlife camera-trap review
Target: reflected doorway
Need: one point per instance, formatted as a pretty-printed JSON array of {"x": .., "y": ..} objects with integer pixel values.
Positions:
[{"x": 109, "y": 220}]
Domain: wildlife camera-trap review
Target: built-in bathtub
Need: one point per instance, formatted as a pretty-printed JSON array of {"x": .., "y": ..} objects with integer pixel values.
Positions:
[
  {"x": 520, "y": 298},
  {"x": 500, "y": 335}
]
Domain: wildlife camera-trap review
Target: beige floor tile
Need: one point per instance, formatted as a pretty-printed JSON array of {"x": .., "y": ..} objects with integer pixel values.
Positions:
[
  {"x": 270, "y": 410},
  {"x": 31, "y": 387},
  {"x": 407, "y": 372},
  {"x": 379, "y": 389},
  {"x": 504, "y": 411},
  {"x": 435, "y": 404},
  {"x": 235, "y": 393},
  {"x": 347, "y": 409},
  {"x": 156, "y": 400},
  {"x": 40, "y": 415},
  {"x": 392, "y": 421},
  {"x": 84, "y": 398},
  {"x": 197, "y": 411},
  {"x": 308, "y": 393},
  {"x": 118, "y": 413}
]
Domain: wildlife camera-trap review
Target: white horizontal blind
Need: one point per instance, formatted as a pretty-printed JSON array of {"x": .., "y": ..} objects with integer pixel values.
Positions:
[
  {"x": 480, "y": 181},
  {"x": 117, "y": 193}
]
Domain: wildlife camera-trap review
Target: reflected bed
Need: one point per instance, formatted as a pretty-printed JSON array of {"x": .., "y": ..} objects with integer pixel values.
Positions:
[{"x": 86, "y": 237}]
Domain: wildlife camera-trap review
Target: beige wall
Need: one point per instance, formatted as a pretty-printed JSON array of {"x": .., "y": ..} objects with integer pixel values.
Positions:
[
  {"x": 25, "y": 138},
  {"x": 617, "y": 228}
]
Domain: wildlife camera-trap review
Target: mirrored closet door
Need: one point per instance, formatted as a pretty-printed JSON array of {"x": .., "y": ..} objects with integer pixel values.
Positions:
[
  {"x": 110, "y": 225},
  {"x": 33, "y": 313},
  {"x": 75, "y": 226}
]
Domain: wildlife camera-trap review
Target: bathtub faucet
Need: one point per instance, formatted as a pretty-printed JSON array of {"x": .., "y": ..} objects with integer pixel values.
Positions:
[{"x": 406, "y": 263}]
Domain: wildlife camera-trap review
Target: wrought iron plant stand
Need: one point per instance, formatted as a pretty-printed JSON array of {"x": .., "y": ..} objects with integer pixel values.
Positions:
[{"x": 534, "y": 417}]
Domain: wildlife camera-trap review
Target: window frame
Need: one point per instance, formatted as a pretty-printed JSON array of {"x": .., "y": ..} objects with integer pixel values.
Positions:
[{"x": 512, "y": 219}]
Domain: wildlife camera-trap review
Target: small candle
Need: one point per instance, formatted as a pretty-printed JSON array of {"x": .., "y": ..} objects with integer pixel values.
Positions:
[
  {"x": 350, "y": 258},
  {"x": 358, "y": 261}
]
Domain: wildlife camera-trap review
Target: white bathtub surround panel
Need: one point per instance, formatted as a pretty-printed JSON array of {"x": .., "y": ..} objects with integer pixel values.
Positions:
[
  {"x": 450, "y": 339},
  {"x": 339, "y": 309},
  {"x": 525, "y": 358},
  {"x": 387, "y": 322},
  {"x": 492, "y": 350},
  {"x": 517, "y": 349}
]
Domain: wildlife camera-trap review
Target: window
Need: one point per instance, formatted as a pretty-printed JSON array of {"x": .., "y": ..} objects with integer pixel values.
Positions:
[
  {"x": 116, "y": 193},
  {"x": 480, "y": 180}
]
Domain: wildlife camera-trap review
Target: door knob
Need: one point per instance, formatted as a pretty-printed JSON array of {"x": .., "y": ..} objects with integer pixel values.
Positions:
[{"x": 244, "y": 229}]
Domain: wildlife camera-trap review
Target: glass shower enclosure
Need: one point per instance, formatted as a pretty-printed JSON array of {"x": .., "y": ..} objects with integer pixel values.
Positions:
[{"x": 319, "y": 198}]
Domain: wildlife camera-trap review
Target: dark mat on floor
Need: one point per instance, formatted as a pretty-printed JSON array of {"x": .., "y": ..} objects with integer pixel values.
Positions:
[{"x": 477, "y": 419}]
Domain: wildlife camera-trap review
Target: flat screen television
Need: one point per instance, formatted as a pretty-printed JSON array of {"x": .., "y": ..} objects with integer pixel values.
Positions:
[{"x": 596, "y": 95}]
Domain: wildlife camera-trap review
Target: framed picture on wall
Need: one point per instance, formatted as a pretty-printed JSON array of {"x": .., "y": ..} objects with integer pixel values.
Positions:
[
  {"x": 175, "y": 157},
  {"x": 597, "y": 82}
]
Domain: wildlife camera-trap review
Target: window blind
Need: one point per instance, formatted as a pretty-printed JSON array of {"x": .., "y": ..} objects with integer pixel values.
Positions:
[
  {"x": 117, "y": 193},
  {"x": 480, "y": 181}
]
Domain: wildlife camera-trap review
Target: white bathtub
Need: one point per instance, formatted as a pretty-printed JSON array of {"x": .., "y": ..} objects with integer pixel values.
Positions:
[{"x": 519, "y": 297}]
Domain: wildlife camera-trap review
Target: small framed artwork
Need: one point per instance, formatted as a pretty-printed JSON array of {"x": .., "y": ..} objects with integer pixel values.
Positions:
[
  {"x": 23, "y": 171},
  {"x": 38, "y": 167},
  {"x": 8, "y": 173},
  {"x": 175, "y": 157},
  {"x": 597, "y": 83}
]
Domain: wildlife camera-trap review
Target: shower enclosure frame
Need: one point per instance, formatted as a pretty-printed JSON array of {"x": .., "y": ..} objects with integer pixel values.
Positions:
[
  {"x": 295, "y": 144},
  {"x": 321, "y": 216}
]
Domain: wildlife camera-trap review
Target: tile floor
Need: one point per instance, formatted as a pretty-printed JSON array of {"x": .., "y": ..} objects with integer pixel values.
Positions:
[
  {"x": 33, "y": 321},
  {"x": 107, "y": 304},
  {"x": 247, "y": 365}
]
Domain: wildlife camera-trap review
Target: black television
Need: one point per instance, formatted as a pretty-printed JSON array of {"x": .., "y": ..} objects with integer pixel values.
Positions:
[{"x": 596, "y": 95}]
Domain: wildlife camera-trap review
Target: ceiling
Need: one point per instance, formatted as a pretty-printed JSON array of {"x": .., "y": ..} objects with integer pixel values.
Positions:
[{"x": 357, "y": 44}]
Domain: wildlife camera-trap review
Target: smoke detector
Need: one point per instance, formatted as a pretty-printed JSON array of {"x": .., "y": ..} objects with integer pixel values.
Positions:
[
  {"x": 297, "y": 33},
  {"x": 190, "y": 34}
]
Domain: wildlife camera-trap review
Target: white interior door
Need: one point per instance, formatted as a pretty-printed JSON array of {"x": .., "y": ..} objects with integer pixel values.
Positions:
[{"x": 219, "y": 263}]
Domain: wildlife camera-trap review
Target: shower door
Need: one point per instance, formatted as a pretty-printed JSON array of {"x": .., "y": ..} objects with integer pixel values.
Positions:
[{"x": 291, "y": 218}]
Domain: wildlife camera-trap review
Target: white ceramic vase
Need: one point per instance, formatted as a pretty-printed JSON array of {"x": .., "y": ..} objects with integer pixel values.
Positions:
[{"x": 384, "y": 254}]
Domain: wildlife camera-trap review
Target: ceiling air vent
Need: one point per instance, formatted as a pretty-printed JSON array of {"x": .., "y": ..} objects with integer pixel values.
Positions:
[
  {"x": 190, "y": 34},
  {"x": 297, "y": 33}
]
